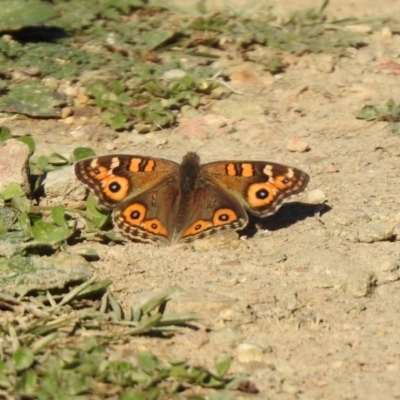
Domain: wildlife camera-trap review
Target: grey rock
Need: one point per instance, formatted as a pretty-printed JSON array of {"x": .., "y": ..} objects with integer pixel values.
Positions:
[
  {"x": 375, "y": 232},
  {"x": 63, "y": 186}
]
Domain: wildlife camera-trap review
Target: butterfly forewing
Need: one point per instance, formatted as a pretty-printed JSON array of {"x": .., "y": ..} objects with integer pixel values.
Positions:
[{"x": 260, "y": 186}]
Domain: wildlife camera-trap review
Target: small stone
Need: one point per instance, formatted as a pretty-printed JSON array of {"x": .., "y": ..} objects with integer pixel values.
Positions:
[
  {"x": 70, "y": 91},
  {"x": 14, "y": 164},
  {"x": 332, "y": 168},
  {"x": 227, "y": 314},
  {"x": 387, "y": 277},
  {"x": 316, "y": 196},
  {"x": 82, "y": 98},
  {"x": 69, "y": 120},
  {"x": 276, "y": 257},
  {"x": 361, "y": 284},
  {"x": 188, "y": 112},
  {"x": 364, "y": 29},
  {"x": 325, "y": 63},
  {"x": 297, "y": 145},
  {"x": 386, "y": 33},
  {"x": 292, "y": 304},
  {"x": 375, "y": 232},
  {"x": 66, "y": 112},
  {"x": 109, "y": 146},
  {"x": 51, "y": 82},
  {"x": 220, "y": 92},
  {"x": 389, "y": 264},
  {"x": 174, "y": 74},
  {"x": 364, "y": 58},
  {"x": 247, "y": 353},
  {"x": 289, "y": 388}
]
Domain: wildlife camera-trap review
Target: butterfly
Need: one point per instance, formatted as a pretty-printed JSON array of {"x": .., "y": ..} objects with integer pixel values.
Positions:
[{"x": 158, "y": 200}]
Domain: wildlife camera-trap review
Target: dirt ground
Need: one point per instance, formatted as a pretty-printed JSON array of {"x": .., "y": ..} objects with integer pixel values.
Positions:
[{"x": 309, "y": 307}]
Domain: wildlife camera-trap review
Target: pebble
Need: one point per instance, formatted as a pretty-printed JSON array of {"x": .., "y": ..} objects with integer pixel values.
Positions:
[
  {"x": 389, "y": 264},
  {"x": 332, "y": 168},
  {"x": 227, "y": 315},
  {"x": 69, "y": 120},
  {"x": 51, "y": 82},
  {"x": 174, "y": 74},
  {"x": 365, "y": 58},
  {"x": 247, "y": 352},
  {"x": 364, "y": 29},
  {"x": 386, "y": 33},
  {"x": 109, "y": 146},
  {"x": 316, "y": 196},
  {"x": 325, "y": 63},
  {"x": 360, "y": 284},
  {"x": 375, "y": 232},
  {"x": 82, "y": 98},
  {"x": 66, "y": 112},
  {"x": 276, "y": 257},
  {"x": 69, "y": 90},
  {"x": 297, "y": 145}
]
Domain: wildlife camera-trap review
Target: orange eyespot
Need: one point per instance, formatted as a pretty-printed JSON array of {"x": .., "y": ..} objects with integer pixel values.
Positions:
[
  {"x": 154, "y": 226},
  {"x": 198, "y": 227},
  {"x": 134, "y": 214},
  {"x": 282, "y": 182},
  {"x": 99, "y": 173},
  {"x": 115, "y": 187},
  {"x": 260, "y": 194},
  {"x": 224, "y": 216}
]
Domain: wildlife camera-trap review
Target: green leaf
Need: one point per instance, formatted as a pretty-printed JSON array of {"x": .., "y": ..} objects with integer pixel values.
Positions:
[
  {"x": 368, "y": 112},
  {"x": 88, "y": 254},
  {"x": 28, "y": 383},
  {"x": 21, "y": 203},
  {"x": 83, "y": 152},
  {"x": 394, "y": 127},
  {"x": 44, "y": 231},
  {"x": 28, "y": 140},
  {"x": 12, "y": 190},
  {"x": 58, "y": 214},
  {"x": 20, "y": 13},
  {"x": 98, "y": 217},
  {"x": 5, "y": 134},
  {"x": 148, "y": 362},
  {"x": 42, "y": 162},
  {"x": 115, "y": 120},
  {"x": 23, "y": 358},
  {"x": 132, "y": 395},
  {"x": 57, "y": 159},
  {"x": 222, "y": 365}
]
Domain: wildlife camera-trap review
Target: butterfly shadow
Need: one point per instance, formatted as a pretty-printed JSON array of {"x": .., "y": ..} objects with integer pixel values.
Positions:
[{"x": 287, "y": 215}]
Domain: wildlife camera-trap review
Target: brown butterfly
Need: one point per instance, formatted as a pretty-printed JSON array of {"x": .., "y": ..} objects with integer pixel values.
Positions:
[{"x": 158, "y": 200}]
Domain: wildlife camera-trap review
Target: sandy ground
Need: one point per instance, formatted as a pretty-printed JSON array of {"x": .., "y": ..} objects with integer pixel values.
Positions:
[{"x": 308, "y": 306}]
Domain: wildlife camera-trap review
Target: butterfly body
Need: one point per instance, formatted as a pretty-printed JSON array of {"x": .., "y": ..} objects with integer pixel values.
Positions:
[{"x": 158, "y": 200}]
